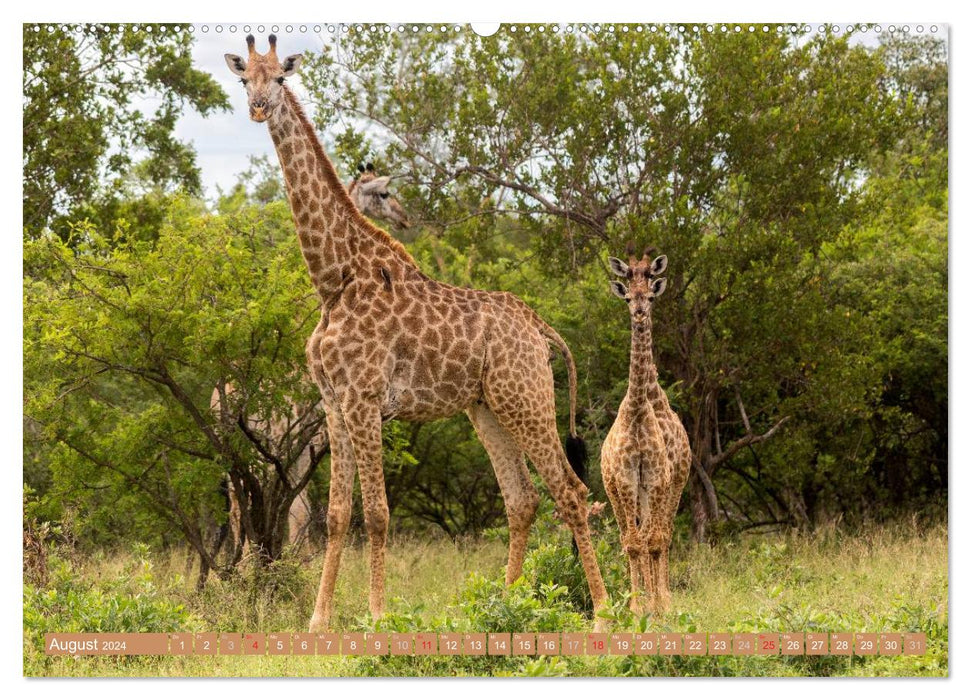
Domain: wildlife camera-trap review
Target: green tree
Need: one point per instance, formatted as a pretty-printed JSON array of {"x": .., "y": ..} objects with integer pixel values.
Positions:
[
  {"x": 124, "y": 342},
  {"x": 892, "y": 271},
  {"x": 740, "y": 155},
  {"x": 798, "y": 185},
  {"x": 85, "y": 89}
]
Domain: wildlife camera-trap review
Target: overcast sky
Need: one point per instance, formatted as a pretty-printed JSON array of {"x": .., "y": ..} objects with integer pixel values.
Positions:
[{"x": 225, "y": 141}]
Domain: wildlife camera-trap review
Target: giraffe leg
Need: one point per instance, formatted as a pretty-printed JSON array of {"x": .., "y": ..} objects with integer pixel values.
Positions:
[
  {"x": 518, "y": 493},
  {"x": 240, "y": 544},
  {"x": 298, "y": 521},
  {"x": 298, "y": 518},
  {"x": 682, "y": 464},
  {"x": 338, "y": 516},
  {"x": 660, "y": 547},
  {"x": 657, "y": 541},
  {"x": 663, "y": 584},
  {"x": 633, "y": 544},
  {"x": 573, "y": 508},
  {"x": 363, "y": 421},
  {"x": 621, "y": 494},
  {"x": 662, "y": 600},
  {"x": 545, "y": 452},
  {"x": 529, "y": 416}
]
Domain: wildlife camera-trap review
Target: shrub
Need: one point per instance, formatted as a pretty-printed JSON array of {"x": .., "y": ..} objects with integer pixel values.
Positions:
[{"x": 127, "y": 602}]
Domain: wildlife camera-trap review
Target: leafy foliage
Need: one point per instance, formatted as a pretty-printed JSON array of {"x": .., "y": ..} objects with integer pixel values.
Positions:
[
  {"x": 125, "y": 340},
  {"x": 531, "y": 156},
  {"x": 798, "y": 185},
  {"x": 130, "y": 601},
  {"x": 82, "y": 123}
]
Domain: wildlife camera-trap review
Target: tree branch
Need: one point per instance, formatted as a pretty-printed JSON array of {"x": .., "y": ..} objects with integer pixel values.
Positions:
[
  {"x": 268, "y": 456},
  {"x": 750, "y": 439},
  {"x": 590, "y": 222},
  {"x": 741, "y": 409}
]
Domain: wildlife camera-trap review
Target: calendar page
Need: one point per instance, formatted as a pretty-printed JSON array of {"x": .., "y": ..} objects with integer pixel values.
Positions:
[{"x": 410, "y": 349}]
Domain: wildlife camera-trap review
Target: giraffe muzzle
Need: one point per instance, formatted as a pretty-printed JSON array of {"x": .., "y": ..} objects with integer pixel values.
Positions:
[{"x": 259, "y": 110}]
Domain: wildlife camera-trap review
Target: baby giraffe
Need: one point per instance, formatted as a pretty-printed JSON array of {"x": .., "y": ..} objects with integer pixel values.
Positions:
[{"x": 645, "y": 457}]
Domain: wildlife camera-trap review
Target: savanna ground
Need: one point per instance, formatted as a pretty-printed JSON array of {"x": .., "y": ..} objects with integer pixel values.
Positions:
[{"x": 886, "y": 578}]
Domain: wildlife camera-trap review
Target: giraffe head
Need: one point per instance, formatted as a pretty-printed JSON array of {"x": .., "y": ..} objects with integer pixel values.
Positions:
[
  {"x": 643, "y": 284},
  {"x": 371, "y": 196},
  {"x": 263, "y": 77}
]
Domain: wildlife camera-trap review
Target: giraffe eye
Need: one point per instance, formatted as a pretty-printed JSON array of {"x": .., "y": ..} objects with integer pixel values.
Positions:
[
  {"x": 243, "y": 81},
  {"x": 280, "y": 80},
  {"x": 384, "y": 195}
]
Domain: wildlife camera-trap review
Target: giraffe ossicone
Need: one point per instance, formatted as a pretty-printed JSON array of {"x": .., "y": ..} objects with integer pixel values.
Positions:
[{"x": 393, "y": 343}]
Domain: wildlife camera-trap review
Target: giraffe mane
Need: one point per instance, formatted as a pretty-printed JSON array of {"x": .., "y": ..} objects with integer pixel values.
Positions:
[{"x": 337, "y": 186}]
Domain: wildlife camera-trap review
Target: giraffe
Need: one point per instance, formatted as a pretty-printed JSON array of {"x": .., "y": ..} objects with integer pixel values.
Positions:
[
  {"x": 275, "y": 434},
  {"x": 394, "y": 343},
  {"x": 370, "y": 194},
  {"x": 646, "y": 457}
]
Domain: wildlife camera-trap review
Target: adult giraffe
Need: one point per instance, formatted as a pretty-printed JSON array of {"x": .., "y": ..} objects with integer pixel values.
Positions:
[
  {"x": 392, "y": 343},
  {"x": 370, "y": 194}
]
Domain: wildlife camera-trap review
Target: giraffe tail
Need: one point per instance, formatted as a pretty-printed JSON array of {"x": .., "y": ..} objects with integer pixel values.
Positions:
[
  {"x": 550, "y": 334},
  {"x": 576, "y": 455},
  {"x": 576, "y": 448}
]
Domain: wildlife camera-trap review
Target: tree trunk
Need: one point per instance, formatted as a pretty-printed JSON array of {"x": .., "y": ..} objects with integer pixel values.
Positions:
[
  {"x": 266, "y": 518},
  {"x": 203, "y": 574},
  {"x": 699, "y": 509},
  {"x": 702, "y": 495}
]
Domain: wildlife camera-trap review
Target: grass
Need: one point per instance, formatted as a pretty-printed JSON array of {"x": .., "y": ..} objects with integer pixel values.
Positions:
[{"x": 890, "y": 578}]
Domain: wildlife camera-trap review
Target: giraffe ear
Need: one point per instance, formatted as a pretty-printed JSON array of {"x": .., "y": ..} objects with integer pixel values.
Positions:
[
  {"x": 236, "y": 64},
  {"x": 291, "y": 64},
  {"x": 658, "y": 286},
  {"x": 619, "y": 289},
  {"x": 618, "y": 267},
  {"x": 659, "y": 265}
]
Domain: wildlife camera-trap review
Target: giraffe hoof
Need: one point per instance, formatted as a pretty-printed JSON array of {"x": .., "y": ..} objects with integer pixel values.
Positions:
[{"x": 317, "y": 625}]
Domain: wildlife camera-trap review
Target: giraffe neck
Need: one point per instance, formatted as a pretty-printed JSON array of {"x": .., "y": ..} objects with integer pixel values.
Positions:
[
  {"x": 642, "y": 385},
  {"x": 337, "y": 242}
]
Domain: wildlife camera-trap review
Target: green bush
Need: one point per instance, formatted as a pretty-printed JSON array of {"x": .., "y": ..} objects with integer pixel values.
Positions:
[
  {"x": 130, "y": 601},
  {"x": 273, "y": 598}
]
